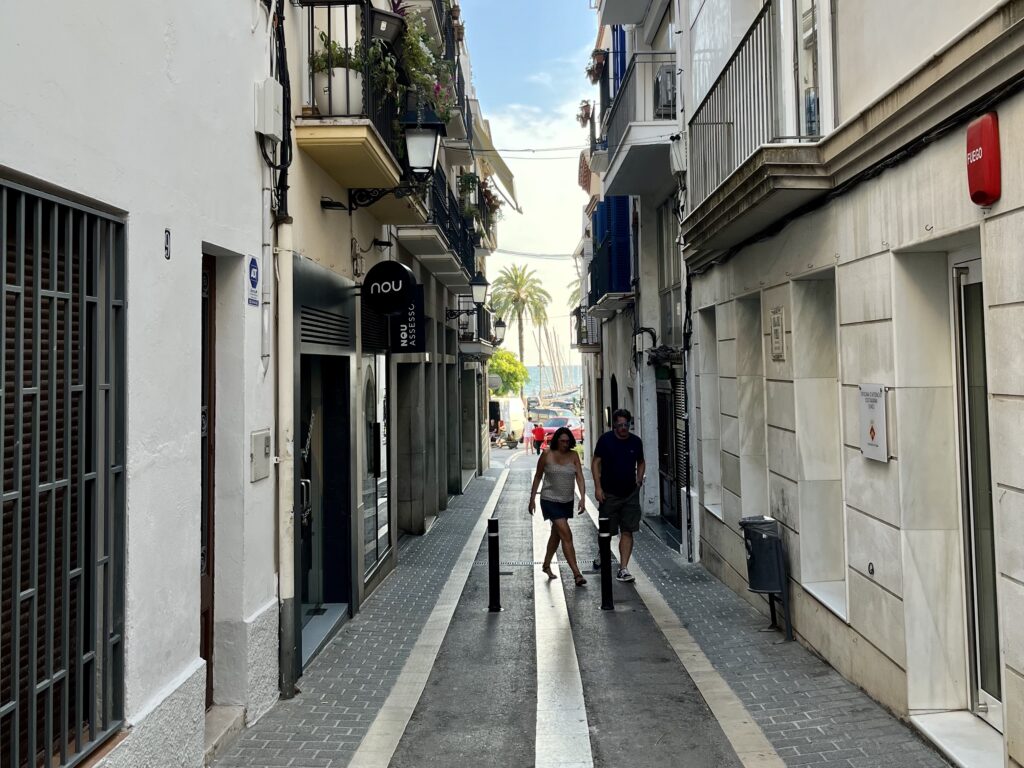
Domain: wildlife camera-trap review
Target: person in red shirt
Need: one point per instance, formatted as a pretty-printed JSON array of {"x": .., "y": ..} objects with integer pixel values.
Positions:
[{"x": 538, "y": 437}]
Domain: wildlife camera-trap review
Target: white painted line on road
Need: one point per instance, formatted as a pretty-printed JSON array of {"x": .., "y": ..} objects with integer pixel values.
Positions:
[
  {"x": 563, "y": 733},
  {"x": 379, "y": 745},
  {"x": 746, "y": 737}
]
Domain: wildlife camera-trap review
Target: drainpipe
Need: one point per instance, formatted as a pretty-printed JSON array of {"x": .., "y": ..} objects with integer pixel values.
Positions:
[{"x": 286, "y": 456}]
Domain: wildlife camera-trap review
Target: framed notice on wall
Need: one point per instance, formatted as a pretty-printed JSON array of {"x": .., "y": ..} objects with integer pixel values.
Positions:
[
  {"x": 873, "y": 440},
  {"x": 777, "y": 321}
]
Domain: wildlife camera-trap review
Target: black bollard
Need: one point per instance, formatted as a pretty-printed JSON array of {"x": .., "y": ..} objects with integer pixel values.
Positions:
[
  {"x": 604, "y": 546},
  {"x": 492, "y": 565}
]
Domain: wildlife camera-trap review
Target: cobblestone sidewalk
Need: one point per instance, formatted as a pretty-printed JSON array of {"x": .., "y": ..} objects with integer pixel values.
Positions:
[
  {"x": 808, "y": 711},
  {"x": 344, "y": 687}
]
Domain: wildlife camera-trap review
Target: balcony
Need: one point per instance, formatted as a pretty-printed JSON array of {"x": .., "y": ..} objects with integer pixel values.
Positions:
[
  {"x": 639, "y": 125},
  {"x": 753, "y": 153},
  {"x": 621, "y": 11},
  {"x": 586, "y": 331},
  {"x": 441, "y": 242},
  {"x": 349, "y": 131},
  {"x": 476, "y": 334},
  {"x": 610, "y": 269}
]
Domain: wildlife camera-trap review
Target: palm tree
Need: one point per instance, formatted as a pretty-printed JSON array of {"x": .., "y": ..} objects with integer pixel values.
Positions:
[
  {"x": 516, "y": 294},
  {"x": 575, "y": 293}
]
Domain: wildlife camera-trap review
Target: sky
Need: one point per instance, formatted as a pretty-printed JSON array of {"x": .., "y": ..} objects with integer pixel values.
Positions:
[{"x": 528, "y": 60}]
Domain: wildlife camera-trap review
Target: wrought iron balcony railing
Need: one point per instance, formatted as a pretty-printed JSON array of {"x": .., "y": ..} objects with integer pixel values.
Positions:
[
  {"x": 586, "y": 330},
  {"x": 446, "y": 214},
  {"x": 341, "y": 73},
  {"x": 647, "y": 93},
  {"x": 477, "y": 325}
]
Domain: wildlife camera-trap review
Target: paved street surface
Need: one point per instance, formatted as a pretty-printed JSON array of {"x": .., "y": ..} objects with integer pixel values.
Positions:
[{"x": 382, "y": 693}]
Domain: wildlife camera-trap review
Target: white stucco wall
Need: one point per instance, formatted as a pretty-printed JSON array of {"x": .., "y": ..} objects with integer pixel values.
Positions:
[
  {"x": 878, "y": 44},
  {"x": 155, "y": 118}
]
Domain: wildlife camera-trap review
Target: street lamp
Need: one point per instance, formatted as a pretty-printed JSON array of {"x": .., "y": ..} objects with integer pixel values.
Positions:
[
  {"x": 499, "y": 331},
  {"x": 421, "y": 144},
  {"x": 478, "y": 286}
]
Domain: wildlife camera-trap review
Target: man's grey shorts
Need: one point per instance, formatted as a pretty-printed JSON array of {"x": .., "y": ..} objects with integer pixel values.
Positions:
[{"x": 622, "y": 512}]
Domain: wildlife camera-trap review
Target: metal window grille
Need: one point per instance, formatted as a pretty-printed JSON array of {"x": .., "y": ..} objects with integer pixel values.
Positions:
[{"x": 63, "y": 457}]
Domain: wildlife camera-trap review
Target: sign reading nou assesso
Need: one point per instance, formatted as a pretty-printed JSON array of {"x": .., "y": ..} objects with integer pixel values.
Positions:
[{"x": 408, "y": 328}]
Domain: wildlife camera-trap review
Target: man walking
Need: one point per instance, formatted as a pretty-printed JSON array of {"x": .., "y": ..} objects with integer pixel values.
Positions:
[
  {"x": 538, "y": 437},
  {"x": 618, "y": 468}
]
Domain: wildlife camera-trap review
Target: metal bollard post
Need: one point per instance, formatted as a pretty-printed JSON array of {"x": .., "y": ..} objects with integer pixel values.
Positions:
[
  {"x": 492, "y": 565},
  {"x": 604, "y": 545}
]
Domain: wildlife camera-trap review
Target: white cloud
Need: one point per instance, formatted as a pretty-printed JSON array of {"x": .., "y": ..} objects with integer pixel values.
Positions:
[{"x": 541, "y": 78}]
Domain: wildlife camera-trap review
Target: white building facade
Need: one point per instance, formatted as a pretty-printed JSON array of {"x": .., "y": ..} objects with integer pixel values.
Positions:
[
  {"x": 211, "y": 444},
  {"x": 858, "y": 328}
]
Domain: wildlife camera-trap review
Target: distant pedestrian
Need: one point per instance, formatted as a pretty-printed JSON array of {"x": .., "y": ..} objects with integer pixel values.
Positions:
[
  {"x": 528, "y": 436},
  {"x": 538, "y": 437},
  {"x": 618, "y": 470},
  {"x": 559, "y": 467}
]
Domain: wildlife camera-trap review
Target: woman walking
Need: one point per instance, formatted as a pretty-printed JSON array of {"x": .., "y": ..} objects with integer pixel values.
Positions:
[{"x": 559, "y": 467}]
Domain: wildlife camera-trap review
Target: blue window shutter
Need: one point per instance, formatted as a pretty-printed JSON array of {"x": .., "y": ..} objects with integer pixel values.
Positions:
[
  {"x": 620, "y": 225},
  {"x": 618, "y": 54}
]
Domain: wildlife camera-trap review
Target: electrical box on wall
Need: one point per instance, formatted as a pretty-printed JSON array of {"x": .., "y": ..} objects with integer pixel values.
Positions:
[
  {"x": 259, "y": 456},
  {"x": 270, "y": 109},
  {"x": 983, "y": 160}
]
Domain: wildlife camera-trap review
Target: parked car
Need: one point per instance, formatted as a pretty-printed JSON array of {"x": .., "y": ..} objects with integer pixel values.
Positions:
[
  {"x": 543, "y": 414},
  {"x": 574, "y": 424}
]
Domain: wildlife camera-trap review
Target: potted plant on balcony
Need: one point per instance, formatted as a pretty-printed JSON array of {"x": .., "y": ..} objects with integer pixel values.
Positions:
[
  {"x": 337, "y": 77},
  {"x": 583, "y": 116},
  {"x": 491, "y": 200},
  {"x": 460, "y": 31},
  {"x": 430, "y": 77},
  {"x": 455, "y": 10},
  {"x": 469, "y": 183},
  {"x": 596, "y": 66}
]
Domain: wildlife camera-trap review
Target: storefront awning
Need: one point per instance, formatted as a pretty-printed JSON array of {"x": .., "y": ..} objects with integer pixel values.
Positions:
[{"x": 489, "y": 158}]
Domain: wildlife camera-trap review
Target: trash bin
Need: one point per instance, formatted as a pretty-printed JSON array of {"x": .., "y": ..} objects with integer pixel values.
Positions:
[{"x": 766, "y": 564}]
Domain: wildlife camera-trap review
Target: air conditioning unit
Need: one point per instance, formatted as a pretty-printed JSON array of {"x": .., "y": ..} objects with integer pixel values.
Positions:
[{"x": 665, "y": 92}]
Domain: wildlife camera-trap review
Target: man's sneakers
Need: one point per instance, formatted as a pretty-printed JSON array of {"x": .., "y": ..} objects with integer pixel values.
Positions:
[{"x": 624, "y": 575}]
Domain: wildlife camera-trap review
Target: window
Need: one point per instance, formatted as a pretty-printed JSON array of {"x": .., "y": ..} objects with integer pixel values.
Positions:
[{"x": 63, "y": 452}]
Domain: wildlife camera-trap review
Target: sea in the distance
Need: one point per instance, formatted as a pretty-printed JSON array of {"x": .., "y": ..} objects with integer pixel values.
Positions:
[{"x": 572, "y": 378}]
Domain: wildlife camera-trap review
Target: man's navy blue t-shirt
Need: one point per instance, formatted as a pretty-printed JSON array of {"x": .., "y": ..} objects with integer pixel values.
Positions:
[{"x": 619, "y": 459}]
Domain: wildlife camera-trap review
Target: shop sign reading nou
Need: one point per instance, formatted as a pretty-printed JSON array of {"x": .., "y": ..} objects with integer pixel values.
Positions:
[
  {"x": 389, "y": 287},
  {"x": 983, "y": 172}
]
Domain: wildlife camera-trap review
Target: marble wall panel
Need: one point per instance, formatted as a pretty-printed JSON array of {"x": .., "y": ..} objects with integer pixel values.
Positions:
[
  {"x": 725, "y": 319},
  {"x": 873, "y": 487},
  {"x": 877, "y": 674},
  {"x": 711, "y": 466},
  {"x": 749, "y": 337},
  {"x": 1001, "y": 262},
  {"x": 754, "y": 485},
  {"x": 822, "y": 531},
  {"x": 732, "y": 510},
  {"x": 865, "y": 289},
  {"x": 923, "y": 355},
  {"x": 727, "y": 358},
  {"x": 777, "y": 296},
  {"x": 729, "y": 400},
  {"x": 707, "y": 333},
  {"x": 780, "y": 404},
  {"x": 778, "y": 369},
  {"x": 731, "y": 435},
  {"x": 784, "y": 501},
  {"x": 928, "y": 465},
  {"x": 710, "y": 406},
  {"x": 1009, "y": 510},
  {"x": 1004, "y": 341},
  {"x": 782, "y": 453},
  {"x": 817, "y": 426},
  {"x": 867, "y": 353},
  {"x": 731, "y": 473},
  {"x": 934, "y": 610},
  {"x": 752, "y": 417},
  {"x": 814, "y": 329},
  {"x": 1011, "y": 619},
  {"x": 872, "y": 543},
  {"x": 1006, "y": 433},
  {"x": 1013, "y": 726},
  {"x": 878, "y": 616}
]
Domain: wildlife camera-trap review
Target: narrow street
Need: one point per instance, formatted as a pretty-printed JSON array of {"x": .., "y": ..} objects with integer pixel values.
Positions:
[{"x": 426, "y": 676}]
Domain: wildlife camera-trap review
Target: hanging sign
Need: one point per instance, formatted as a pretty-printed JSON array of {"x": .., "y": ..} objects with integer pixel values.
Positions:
[
  {"x": 873, "y": 442},
  {"x": 983, "y": 162},
  {"x": 408, "y": 327},
  {"x": 389, "y": 287}
]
